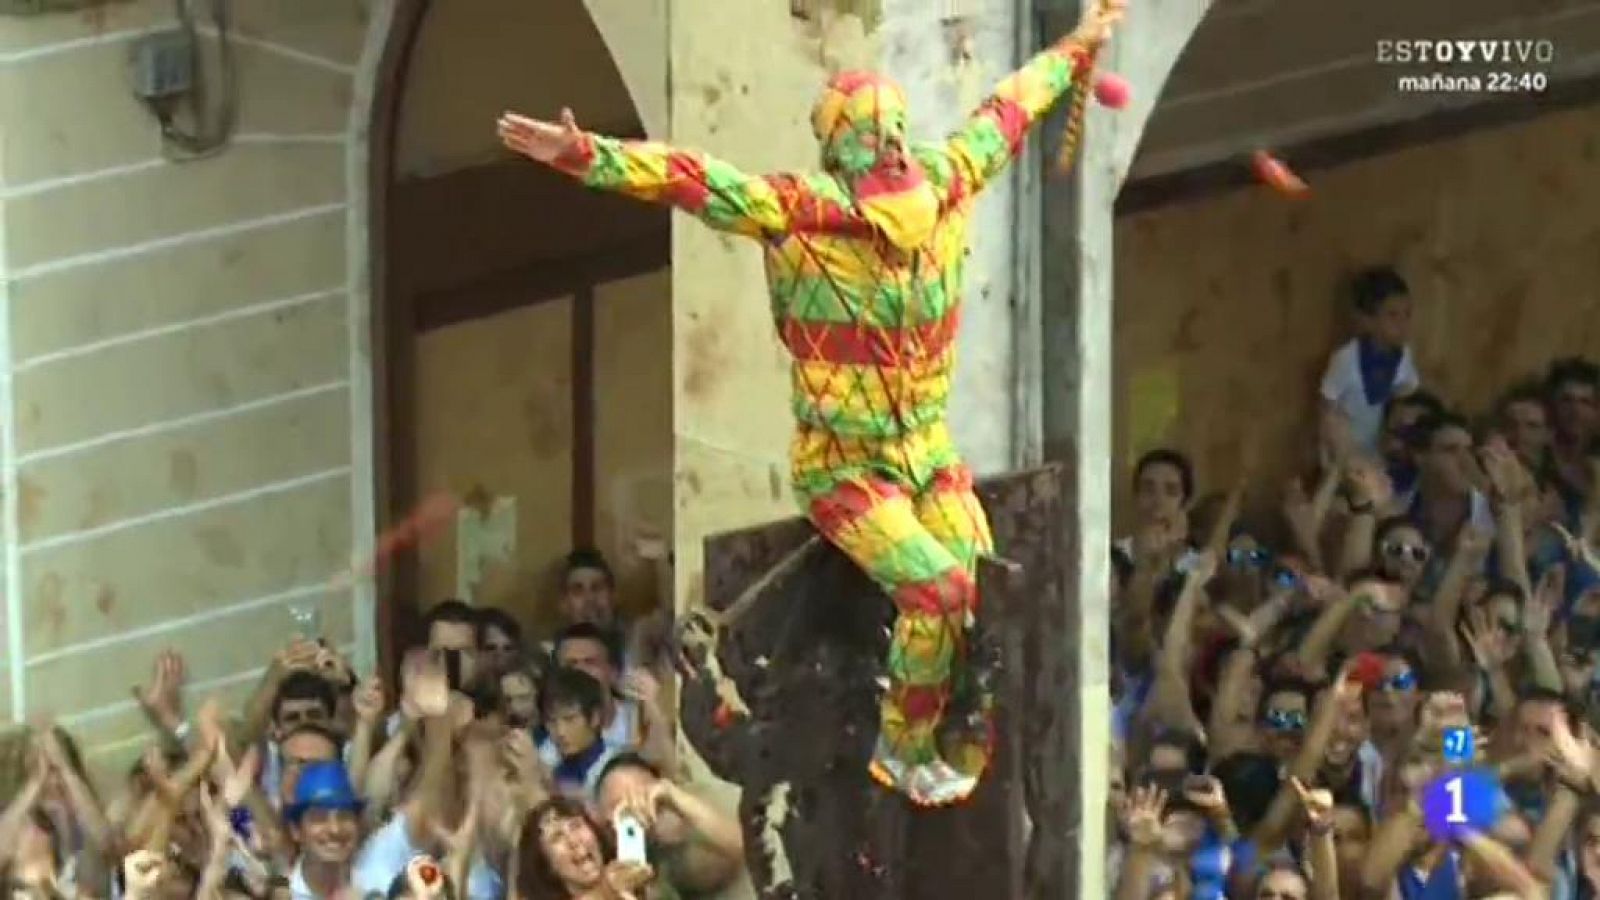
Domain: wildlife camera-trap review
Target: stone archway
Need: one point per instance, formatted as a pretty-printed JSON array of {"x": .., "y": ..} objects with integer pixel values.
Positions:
[{"x": 457, "y": 232}]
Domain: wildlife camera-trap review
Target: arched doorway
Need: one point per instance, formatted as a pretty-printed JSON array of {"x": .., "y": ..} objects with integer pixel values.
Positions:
[{"x": 521, "y": 332}]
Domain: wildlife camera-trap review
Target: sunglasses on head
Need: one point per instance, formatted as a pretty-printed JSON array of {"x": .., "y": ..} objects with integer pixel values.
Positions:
[
  {"x": 1398, "y": 551},
  {"x": 1401, "y": 681},
  {"x": 1285, "y": 720}
]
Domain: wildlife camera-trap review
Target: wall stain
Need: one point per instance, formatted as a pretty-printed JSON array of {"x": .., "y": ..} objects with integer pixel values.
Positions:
[
  {"x": 184, "y": 472},
  {"x": 870, "y": 12},
  {"x": 775, "y": 482},
  {"x": 220, "y": 546},
  {"x": 546, "y": 437},
  {"x": 707, "y": 360},
  {"x": 30, "y": 503},
  {"x": 52, "y": 611},
  {"x": 105, "y": 600}
]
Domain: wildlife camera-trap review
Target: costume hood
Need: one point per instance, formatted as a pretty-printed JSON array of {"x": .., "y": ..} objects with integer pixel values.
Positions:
[{"x": 860, "y": 121}]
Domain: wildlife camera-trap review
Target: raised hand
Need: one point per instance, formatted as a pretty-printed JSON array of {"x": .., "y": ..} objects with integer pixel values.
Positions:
[
  {"x": 522, "y": 759},
  {"x": 238, "y": 779},
  {"x": 1206, "y": 793},
  {"x": 427, "y": 689},
  {"x": 641, "y": 687},
  {"x": 1578, "y": 549},
  {"x": 1318, "y": 804},
  {"x": 1369, "y": 484},
  {"x": 624, "y": 880},
  {"x": 333, "y": 667},
  {"x": 368, "y": 701},
  {"x": 163, "y": 695},
  {"x": 1095, "y": 27},
  {"x": 218, "y": 824},
  {"x": 1141, "y": 815},
  {"x": 1571, "y": 757},
  {"x": 1488, "y": 644},
  {"x": 1503, "y": 469},
  {"x": 538, "y": 140},
  {"x": 299, "y": 656},
  {"x": 141, "y": 873},
  {"x": 1539, "y": 612}
]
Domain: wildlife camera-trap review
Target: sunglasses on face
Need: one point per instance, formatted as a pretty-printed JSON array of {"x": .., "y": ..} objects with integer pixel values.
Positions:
[
  {"x": 1284, "y": 720},
  {"x": 1400, "y": 552},
  {"x": 1254, "y": 558},
  {"x": 1401, "y": 681},
  {"x": 1270, "y": 894}
]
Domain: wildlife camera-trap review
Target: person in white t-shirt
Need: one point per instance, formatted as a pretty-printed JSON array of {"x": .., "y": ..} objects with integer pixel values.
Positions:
[
  {"x": 632, "y": 715},
  {"x": 1377, "y": 364}
]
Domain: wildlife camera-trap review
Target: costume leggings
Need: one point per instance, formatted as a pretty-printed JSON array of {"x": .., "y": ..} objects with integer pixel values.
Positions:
[{"x": 922, "y": 548}]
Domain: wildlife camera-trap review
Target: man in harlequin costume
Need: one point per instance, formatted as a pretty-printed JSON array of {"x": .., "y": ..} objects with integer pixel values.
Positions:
[{"x": 864, "y": 263}]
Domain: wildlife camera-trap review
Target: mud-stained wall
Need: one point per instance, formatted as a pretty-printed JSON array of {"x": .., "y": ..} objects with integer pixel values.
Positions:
[
  {"x": 495, "y": 418},
  {"x": 1228, "y": 308},
  {"x": 179, "y": 449}
]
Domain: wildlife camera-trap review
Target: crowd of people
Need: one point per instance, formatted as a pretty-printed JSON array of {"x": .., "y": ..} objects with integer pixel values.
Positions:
[
  {"x": 1286, "y": 691},
  {"x": 1289, "y": 690},
  {"x": 495, "y": 767}
]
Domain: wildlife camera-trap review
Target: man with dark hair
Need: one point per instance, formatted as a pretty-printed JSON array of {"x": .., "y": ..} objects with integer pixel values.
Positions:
[
  {"x": 303, "y": 699},
  {"x": 1400, "y": 418},
  {"x": 1377, "y": 364},
  {"x": 1163, "y": 490},
  {"x": 571, "y": 702},
  {"x": 298, "y": 748},
  {"x": 1284, "y": 713},
  {"x": 1523, "y": 418},
  {"x": 1446, "y": 500},
  {"x": 1572, "y": 389},
  {"x": 451, "y": 625},
  {"x": 588, "y": 589},
  {"x": 631, "y": 714},
  {"x": 697, "y": 849},
  {"x": 499, "y": 641},
  {"x": 324, "y": 820}
]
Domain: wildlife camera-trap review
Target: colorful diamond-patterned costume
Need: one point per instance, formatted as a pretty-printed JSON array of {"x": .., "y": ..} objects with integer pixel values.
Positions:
[{"x": 865, "y": 262}]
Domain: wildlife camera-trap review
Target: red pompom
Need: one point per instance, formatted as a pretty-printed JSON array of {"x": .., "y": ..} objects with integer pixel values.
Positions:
[{"x": 1112, "y": 91}]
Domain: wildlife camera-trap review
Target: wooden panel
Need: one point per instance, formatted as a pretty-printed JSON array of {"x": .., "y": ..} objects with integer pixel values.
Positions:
[
  {"x": 1228, "y": 309},
  {"x": 494, "y": 418}
]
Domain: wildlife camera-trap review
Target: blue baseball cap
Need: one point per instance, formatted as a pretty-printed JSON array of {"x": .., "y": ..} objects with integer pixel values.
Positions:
[{"x": 323, "y": 785}]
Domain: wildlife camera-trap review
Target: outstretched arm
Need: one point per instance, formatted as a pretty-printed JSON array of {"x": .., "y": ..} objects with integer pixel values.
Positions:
[
  {"x": 993, "y": 135},
  {"x": 713, "y": 191}
]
